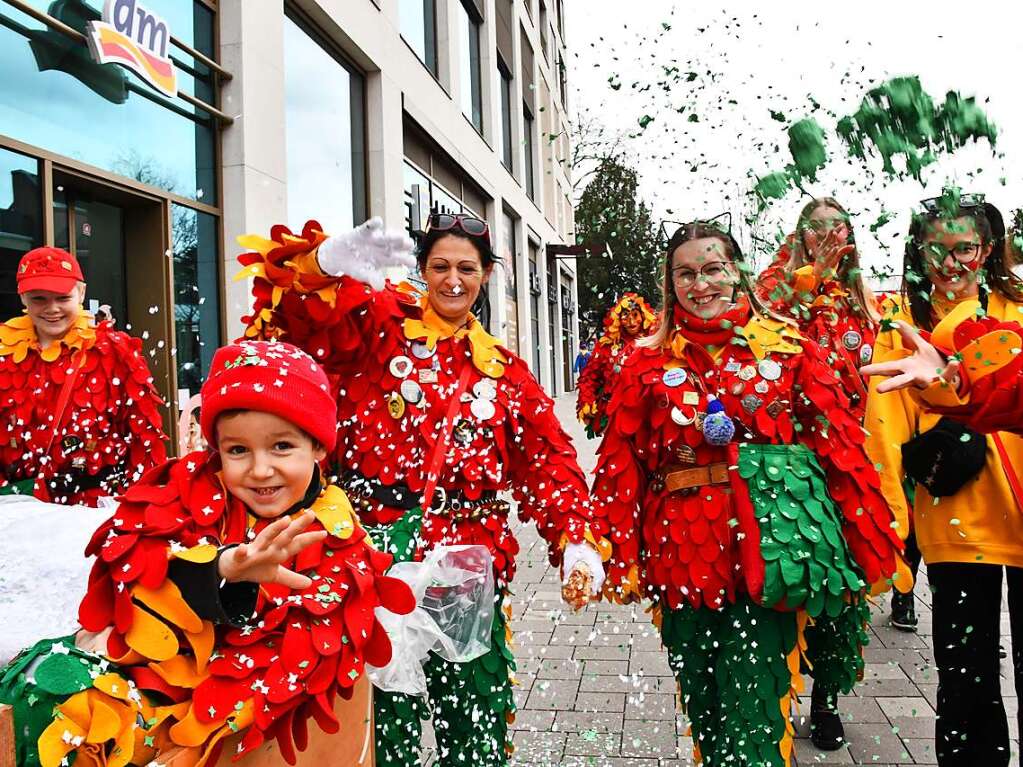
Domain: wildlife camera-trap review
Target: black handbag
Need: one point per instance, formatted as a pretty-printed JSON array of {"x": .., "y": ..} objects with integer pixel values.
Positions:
[{"x": 944, "y": 458}]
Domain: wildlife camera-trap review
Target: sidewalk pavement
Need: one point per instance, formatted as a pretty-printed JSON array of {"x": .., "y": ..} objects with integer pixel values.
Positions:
[{"x": 594, "y": 689}]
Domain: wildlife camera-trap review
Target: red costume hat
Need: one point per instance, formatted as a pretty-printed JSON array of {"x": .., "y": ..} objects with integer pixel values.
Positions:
[
  {"x": 50, "y": 269},
  {"x": 271, "y": 377}
]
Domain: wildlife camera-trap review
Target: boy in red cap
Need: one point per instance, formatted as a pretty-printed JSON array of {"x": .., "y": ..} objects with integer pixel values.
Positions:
[
  {"x": 79, "y": 415},
  {"x": 232, "y": 590}
]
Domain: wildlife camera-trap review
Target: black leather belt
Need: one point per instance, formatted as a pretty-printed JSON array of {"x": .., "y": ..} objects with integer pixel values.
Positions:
[{"x": 399, "y": 496}]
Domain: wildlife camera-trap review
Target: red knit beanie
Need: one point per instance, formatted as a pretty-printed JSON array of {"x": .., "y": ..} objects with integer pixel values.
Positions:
[{"x": 271, "y": 377}]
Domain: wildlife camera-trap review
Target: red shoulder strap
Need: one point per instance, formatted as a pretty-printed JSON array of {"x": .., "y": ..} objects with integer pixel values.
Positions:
[
  {"x": 65, "y": 396},
  {"x": 440, "y": 447}
]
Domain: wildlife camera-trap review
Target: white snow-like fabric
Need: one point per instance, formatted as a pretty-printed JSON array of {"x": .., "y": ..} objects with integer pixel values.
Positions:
[
  {"x": 365, "y": 253},
  {"x": 45, "y": 571},
  {"x": 583, "y": 553}
]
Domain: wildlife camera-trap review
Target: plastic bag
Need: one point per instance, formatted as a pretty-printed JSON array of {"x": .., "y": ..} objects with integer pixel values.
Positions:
[
  {"x": 45, "y": 571},
  {"x": 454, "y": 616}
]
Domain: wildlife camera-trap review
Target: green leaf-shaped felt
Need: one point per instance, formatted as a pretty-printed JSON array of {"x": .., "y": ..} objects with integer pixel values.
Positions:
[
  {"x": 799, "y": 525},
  {"x": 835, "y": 646}
]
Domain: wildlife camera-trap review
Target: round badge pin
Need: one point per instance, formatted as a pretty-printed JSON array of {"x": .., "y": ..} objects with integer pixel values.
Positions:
[
  {"x": 762, "y": 387},
  {"x": 400, "y": 367},
  {"x": 485, "y": 389},
  {"x": 851, "y": 340},
  {"x": 411, "y": 391},
  {"x": 675, "y": 377},
  {"x": 679, "y": 417},
  {"x": 747, "y": 373},
  {"x": 395, "y": 405},
  {"x": 769, "y": 370},
  {"x": 421, "y": 351},
  {"x": 866, "y": 353},
  {"x": 483, "y": 409}
]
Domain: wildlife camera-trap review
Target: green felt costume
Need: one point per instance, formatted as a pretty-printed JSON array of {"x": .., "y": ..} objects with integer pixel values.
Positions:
[{"x": 471, "y": 703}]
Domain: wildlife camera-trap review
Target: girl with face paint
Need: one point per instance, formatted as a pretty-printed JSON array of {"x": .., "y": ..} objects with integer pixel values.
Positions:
[
  {"x": 729, "y": 436},
  {"x": 954, "y": 265}
]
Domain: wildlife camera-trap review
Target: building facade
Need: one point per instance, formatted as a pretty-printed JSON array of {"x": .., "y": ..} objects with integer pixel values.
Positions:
[{"x": 145, "y": 137}]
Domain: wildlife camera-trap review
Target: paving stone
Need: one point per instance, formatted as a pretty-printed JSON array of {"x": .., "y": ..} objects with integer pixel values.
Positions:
[
  {"x": 533, "y": 719},
  {"x": 550, "y": 694},
  {"x": 600, "y": 701},
  {"x": 652, "y": 707},
  {"x": 870, "y": 744},
  {"x": 577, "y": 721},
  {"x": 922, "y": 749},
  {"x": 538, "y": 749},
  {"x": 645, "y": 738},
  {"x": 593, "y": 743}
]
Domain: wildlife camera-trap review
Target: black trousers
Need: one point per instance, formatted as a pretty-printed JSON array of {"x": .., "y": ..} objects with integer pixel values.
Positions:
[{"x": 971, "y": 728}]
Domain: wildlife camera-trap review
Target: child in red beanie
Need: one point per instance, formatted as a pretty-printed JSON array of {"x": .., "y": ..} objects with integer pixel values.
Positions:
[{"x": 231, "y": 591}]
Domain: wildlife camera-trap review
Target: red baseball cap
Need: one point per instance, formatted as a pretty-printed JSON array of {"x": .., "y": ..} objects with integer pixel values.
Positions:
[{"x": 50, "y": 269}]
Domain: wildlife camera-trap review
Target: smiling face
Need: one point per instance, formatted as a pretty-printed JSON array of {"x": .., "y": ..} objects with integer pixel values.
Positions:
[
  {"x": 953, "y": 254},
  {"x": 704, "y": 277},
  {"x": 454, "y": 274},
  {"x": 53, "y": 314},
  {"x": 267, "y": 462},
  {"x": 822, "y": 220}
]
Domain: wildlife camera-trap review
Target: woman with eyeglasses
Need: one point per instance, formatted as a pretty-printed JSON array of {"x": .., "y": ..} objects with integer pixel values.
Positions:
[
  {"x": 968, "y": 510},
  {"x": 626, "y": 322},
  {"x": 435, "y": 418},
  {"x": 741, "y": 501},
  {"x": 817, "y": 281}
]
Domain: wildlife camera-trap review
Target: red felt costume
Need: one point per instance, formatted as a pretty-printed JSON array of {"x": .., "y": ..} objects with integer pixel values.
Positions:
[
  {"x": 609, "y": 354},
  {"x": 703, "y": 548},
  {"x": 825, "y": 313},
  {"x": 372, "y": 342},
  {"x": 111, "y": 429}
]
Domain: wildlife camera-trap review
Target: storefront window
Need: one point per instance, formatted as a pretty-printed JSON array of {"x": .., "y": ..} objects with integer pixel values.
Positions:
[
  {"x": 325, "y": 143},
  {"x": 56, "y": 97},
  {"x": 196, "y": 295},
  {"x": 21, "y": 223}
]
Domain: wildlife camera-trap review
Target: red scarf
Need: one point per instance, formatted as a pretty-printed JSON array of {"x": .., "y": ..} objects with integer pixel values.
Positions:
[{"x": 714, "y": 332}]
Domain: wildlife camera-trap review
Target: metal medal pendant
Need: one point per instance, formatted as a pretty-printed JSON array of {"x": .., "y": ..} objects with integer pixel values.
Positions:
[
  {"x": 851, "y": 340},
  {"x": 733, "y": 366},
  {"x": 411, "y": 391},
  {"x": 775, "y": 409},
  {"x": 737, "y": 388},
  {"x": 751, "y": 403},
  {"x": 866, "y": 353},
  {"x": 690, "y": 398},
  {"x": 400, "y": 366},
  {"x": 675, "y": 377},
  {"x": 427, "y": 376},
  {"x": 395, "y": 405},
  {"x": 762, "y": 387},
  {"x": 679, "y": 417},
  {"x": 769, "y": 370},
  {"x": 485, "y": 389},
  {"x": 748, "y": 373},
  {"x": 421, "y": 351},
  {"x": 483, "y": 409}
]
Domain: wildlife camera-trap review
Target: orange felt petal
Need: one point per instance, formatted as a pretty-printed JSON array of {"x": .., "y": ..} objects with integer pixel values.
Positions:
[
  {"x": 168, "y": 602},
  {"x": 202, "y": 645},
  {"x": 150, "y": 636}
]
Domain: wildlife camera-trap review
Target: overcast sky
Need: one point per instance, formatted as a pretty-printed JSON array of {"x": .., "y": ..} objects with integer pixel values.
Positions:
[{"x": 753, "y": 57}]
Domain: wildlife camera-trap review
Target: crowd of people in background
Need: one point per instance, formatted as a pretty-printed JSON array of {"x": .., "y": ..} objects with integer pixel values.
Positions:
[{"x": 759, "y": 479}]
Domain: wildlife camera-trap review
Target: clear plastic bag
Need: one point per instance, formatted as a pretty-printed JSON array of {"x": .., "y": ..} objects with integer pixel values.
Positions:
[
  {"x": 454, "y": 615},
  {"x": 45, "y": 571}
]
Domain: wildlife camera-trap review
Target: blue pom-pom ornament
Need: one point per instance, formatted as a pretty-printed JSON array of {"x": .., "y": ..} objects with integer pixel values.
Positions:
[{"x": 718, "y": 427}]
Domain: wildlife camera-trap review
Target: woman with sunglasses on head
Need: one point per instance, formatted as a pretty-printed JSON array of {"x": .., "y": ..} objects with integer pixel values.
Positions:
[
  {"x": 435, "y": 418},
  {"x": 817, "y": 281},
  {"x": 741, "y": 501},
  {"x": 625, "y": 323},
  {"x": 968, "y": 511}
]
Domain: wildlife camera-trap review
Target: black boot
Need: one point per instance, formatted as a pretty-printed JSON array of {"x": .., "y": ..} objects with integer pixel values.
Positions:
[
  {"x": 826, "y": 731},
  {"x": 903, "y": 612}
]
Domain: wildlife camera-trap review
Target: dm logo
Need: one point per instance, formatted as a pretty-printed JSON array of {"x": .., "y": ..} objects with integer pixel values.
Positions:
[{"x": 136, "y": 38}]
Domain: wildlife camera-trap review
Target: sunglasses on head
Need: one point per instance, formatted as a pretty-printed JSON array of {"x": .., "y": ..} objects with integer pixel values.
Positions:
[
  {"x": 947, "y": 204},
  {"x": 443, "y": 222}
]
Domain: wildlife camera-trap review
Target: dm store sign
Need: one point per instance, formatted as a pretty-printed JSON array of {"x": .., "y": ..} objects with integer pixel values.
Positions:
[{"x": 134, "y": 37}]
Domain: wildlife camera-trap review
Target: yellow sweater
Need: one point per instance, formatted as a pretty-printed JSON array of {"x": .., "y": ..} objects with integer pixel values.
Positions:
[{"x": 980, "y": 523}]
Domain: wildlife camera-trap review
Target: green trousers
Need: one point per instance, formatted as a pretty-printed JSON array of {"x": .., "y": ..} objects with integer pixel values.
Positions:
[
  {"x": 732, "y": 668},
  {"x": 470, "y": 702}
]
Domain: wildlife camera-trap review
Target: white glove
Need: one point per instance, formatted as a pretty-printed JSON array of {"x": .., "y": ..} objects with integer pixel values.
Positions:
[
  {"x": 577, "y": 554},
  {"x": 365, "y": 252}
]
